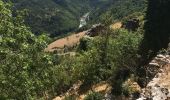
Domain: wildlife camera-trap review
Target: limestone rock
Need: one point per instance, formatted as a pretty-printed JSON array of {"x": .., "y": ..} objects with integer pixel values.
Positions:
[{"x": 159, "y": 87}]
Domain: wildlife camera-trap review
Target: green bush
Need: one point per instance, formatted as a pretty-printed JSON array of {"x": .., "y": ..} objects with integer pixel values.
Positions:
[
  {"x": 70, "y": 98},
  {"x": 26, "y": 71},
  {"x": 103, "y": 58},
  {"x": 94, "y": 96}
]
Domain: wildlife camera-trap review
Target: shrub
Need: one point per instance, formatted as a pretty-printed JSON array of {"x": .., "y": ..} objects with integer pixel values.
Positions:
[
  {"x": 70, "y": 97},
  {"x": 94, "y": 96}
]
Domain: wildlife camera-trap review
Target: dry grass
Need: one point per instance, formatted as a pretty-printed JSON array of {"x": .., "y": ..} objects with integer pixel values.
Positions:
[
  {"x": 73, "y": 39},
  {"x": 165, "y": 77},
  {"x": 68, "y": 41},
  {"x": 116, "y": 25},
  {"x": 102, "y": 87}
]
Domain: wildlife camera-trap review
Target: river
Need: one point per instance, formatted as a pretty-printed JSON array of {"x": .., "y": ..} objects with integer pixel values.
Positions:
[{"x": 83, "y": 20}]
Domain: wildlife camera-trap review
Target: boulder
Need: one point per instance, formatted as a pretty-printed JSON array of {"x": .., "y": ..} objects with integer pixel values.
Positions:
[{"x": 131, "y": 24}]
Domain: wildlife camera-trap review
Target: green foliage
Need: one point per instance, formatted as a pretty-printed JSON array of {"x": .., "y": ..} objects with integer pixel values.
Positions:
[
  {"x": 94, "y": 96},
  {"x": 84, "y": 44},
  {"x": 105, "y": 56},
  {"x": 57, "y": 17},
  {"x": 120, "y": 9},
  {"x": 156, "y": 34},
  {"x": 70, "y": 98},
  {"x": 126, "y": 57},
  {"x": 127, "y": 44},
  {"x": 138, "y": 16},
  {"x": 156, "y": 28},
  {"x": 135, "y": 15},
  {"x": 52, "y": 16},
  {"x": 26, "y": 72}
]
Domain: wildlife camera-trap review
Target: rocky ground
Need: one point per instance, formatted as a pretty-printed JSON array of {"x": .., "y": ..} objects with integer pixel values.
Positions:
[
  {"x": 159, "y": 87},
  {"x": 102, "y": 87}
]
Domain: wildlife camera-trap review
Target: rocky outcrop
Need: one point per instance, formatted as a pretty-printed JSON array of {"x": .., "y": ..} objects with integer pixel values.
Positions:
[
  {"x": 95, "y": 30},
  {"x": 156, "y": 65},
  {"x": 131, "y": 24},
  {"x": 158, "y": 88},
  {"x": 72, "y": 91}
]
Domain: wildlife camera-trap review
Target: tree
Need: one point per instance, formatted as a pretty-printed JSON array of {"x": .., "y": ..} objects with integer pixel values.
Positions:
[
  {"x": 26, "y": 71},
  {"x": 157, "y": 28}
]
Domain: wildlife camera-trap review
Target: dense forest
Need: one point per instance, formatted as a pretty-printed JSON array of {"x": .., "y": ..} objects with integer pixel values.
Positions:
[
  {"x": 54, "y": 16},
  {"x": 116, "y": 56},
  {"x": 58, "y": 17}
]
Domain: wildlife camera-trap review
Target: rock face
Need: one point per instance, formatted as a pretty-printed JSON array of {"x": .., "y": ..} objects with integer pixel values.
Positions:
[
  {"x": 159, "y": 86},
  {"x": 132, "y": 24},
  {"x": 95, "y": 30}
]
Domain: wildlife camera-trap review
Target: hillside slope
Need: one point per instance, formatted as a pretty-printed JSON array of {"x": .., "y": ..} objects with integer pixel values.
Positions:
[
  {"x": 57, "y": 17},
  {"x": 74, "y": 39}
]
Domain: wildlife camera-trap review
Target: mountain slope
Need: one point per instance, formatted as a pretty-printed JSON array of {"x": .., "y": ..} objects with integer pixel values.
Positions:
[
  {"x": 51, "y": 16},
  {"x": 120, "y": 8},
  {"x": 56, "y": 17}
]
